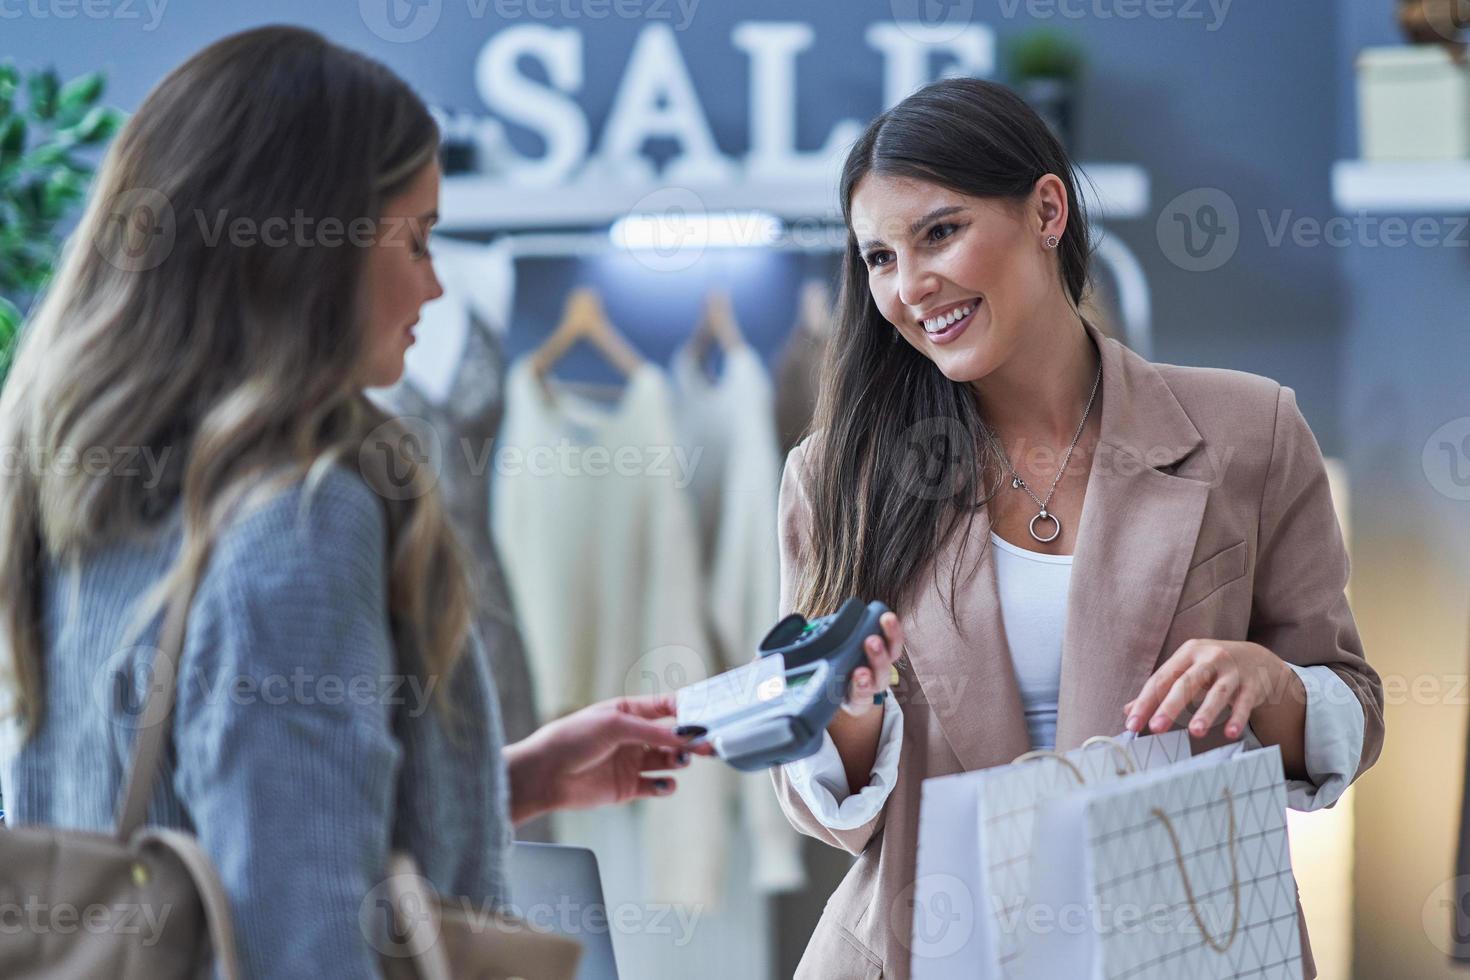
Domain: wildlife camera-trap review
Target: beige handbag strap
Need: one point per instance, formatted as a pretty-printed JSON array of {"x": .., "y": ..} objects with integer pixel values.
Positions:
[
  {"x": 153, "y": 724},
  {"x": 211, "y": 890},
  {"x": 408, "y": 889}
]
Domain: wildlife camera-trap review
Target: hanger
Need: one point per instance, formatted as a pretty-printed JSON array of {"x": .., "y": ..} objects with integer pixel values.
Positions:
[
  {"x": 585, "y": 319},
  {"x": 814, "y": 308},
  {"x": 716, "y": 325}
]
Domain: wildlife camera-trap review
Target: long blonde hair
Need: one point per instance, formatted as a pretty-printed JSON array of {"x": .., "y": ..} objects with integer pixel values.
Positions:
[{"x": 232, "y": 364}]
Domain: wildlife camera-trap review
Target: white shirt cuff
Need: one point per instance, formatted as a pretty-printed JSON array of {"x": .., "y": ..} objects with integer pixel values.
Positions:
[
  {"x": 822, "y": 784},
  {"x": 1333, "y": 739}
]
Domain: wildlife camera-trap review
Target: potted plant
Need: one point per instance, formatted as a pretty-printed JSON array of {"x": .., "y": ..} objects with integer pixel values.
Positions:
[
  {"x": 1044, "y": 66},
  {"x": 41, "y": 178}
]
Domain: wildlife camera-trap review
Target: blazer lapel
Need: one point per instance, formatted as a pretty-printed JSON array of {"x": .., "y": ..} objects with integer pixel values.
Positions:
[
  {"x": 1136, "y": 536},
  {"x": 967, "y": 677},
  {"x": 1135, "y": 539}
]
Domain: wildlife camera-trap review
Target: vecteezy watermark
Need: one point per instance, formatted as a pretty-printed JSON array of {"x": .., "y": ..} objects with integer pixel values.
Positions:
[
  {"x": 670, "y": 229},
  {"x": 404, "y": 458},
  {"x": 935, "y": 456},
  {"x": 1210, "y": 13},
  {"x": 124, "y": 686},
  {"x": 1446, "y": 458},
  {"x": 943, "y": 915},
  {"x": 34, "y": 917},
  {"x": 141, "y": 229},
  {"x": 405, "y": 21},
  {"x": 1447, "y": 18},
  {"x": 1445, "y": 916},
  {"x": 138, "y": 230},
  {"x": 120, "y": 461},
  {"x": 1201, "y": 230},
  {"x": 120, "y": 10},
  {"x": 400, "y": 917},
  {"x": 937, "y": 21}
]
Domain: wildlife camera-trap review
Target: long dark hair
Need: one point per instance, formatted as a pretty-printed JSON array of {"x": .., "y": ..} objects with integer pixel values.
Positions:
[
  {"x": 901, "y": 458},
  {"x": 233, "y": 363}
]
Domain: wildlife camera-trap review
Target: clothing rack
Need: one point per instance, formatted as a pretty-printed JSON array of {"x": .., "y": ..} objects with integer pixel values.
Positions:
[{"x": 1131, "y": 284}]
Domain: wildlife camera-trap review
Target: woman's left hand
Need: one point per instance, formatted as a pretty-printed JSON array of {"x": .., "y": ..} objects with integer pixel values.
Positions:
[
  {"x": 599, "y": 755},
  {"x": 1221, "y": 676}
]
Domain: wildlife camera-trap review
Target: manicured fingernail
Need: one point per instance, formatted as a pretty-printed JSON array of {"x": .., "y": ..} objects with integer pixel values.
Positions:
[
  {"x": 1159, "y": 721},
  {"x": 690, "y": 731},
  {"x": 683, "y": 758},
  {"x": 662, "y": 785}
]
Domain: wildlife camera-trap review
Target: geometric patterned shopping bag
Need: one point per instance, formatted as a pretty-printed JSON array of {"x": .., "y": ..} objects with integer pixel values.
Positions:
[
  {"x": 1179, "y": 872},
  {"x": 976, "y": 831}
]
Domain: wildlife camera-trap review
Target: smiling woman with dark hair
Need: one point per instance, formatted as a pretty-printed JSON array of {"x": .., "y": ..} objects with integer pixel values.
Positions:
[{"x": 1073, "y": 539}]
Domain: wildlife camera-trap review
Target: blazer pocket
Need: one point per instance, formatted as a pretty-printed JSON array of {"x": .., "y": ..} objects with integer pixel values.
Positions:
[
  {"x": 834, "y": 953},
  {"x": 1212, "y": 575}
]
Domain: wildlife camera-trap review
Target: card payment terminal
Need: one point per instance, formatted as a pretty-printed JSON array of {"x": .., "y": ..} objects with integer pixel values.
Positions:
[{"x": 774, "y": 710}]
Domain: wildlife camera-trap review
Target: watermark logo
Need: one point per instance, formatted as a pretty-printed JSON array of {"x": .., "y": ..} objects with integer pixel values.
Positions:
[
  {"x": 937, "y": 21},
  {"x": 935, "y": 456},
  {"x": 1199, "y": 230},
  {"x": 1451, "y": 899},
  {"x": 400, "y": 21},
  {"x": 1446, "y": 459},
  {"x": 666, "y": 230},
  {"x": 943, "y": 915},
  {"x": 402, "y": 458},
  {"x": 138, "y": 230},
  {"x": 126, "y": 688},
  {"x": 398, "y": 917},
  {"x": 1447, "y": 18}
]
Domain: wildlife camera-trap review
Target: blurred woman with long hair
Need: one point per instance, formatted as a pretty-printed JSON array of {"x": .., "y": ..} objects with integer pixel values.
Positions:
[{"x": 185, "y": 423}]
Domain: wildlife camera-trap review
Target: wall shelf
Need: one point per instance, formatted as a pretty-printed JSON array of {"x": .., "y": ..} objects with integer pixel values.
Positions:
[
  {"x": 1407, "y": 187},
  {"x": 473, "y": 203}
]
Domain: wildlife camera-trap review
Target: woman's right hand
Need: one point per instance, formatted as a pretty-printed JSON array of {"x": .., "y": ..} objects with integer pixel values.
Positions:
[{"x": 873, "y": 679}]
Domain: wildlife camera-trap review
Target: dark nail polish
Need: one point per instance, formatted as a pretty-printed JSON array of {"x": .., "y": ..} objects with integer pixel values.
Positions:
[
  {"x": 690, "y": 731},
  {"x": 662, "y": 785}
]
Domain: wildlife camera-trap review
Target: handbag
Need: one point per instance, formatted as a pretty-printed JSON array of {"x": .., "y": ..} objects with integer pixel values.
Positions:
[{"x": 145, "y": 903}]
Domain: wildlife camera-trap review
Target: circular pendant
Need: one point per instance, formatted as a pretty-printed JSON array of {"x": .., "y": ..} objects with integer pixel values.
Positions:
[{"x": 1057, "y": 529}]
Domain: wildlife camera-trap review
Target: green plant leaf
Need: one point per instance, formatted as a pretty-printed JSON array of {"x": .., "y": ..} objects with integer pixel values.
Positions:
[
  {"x": 63, "y": 189},
  {"x": 1044, "y": 53},
  {"x": 100, "y": 123},
  {"x": 44, "y": 86},
  {"x": 12, "y": 140},
  {"x": 9, "y": 332},
  {"x": 78, "y": 95},
  {"x": 9, "y": 82}
]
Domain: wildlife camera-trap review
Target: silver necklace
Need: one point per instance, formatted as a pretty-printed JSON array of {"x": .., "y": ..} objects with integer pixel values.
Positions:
[{"x": 1019, "y": 484}]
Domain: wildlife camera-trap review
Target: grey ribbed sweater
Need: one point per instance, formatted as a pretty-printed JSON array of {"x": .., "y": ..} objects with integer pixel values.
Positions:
[{"x": 301, "y": 751}]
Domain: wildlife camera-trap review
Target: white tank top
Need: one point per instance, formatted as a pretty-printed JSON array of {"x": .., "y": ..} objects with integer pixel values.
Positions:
[{"x": 1033, "y": 606}]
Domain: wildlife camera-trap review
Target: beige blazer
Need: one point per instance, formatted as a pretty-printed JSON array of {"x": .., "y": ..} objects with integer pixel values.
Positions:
[{"x": 1207, "y": 515}]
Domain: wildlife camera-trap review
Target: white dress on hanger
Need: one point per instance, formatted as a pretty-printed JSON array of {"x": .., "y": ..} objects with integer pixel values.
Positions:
[
  {"x": 735, "y": 489},
  {"x": 597, "y": 530}
]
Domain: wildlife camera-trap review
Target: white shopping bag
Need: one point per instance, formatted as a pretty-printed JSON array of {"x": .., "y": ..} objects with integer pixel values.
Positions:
[
  {"x": 1178, "y": 872},
  {"x": 972, "y": 874}
]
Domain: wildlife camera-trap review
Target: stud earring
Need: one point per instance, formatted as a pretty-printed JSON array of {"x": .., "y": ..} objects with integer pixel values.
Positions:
[{"x": 1052, "y": 241}]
